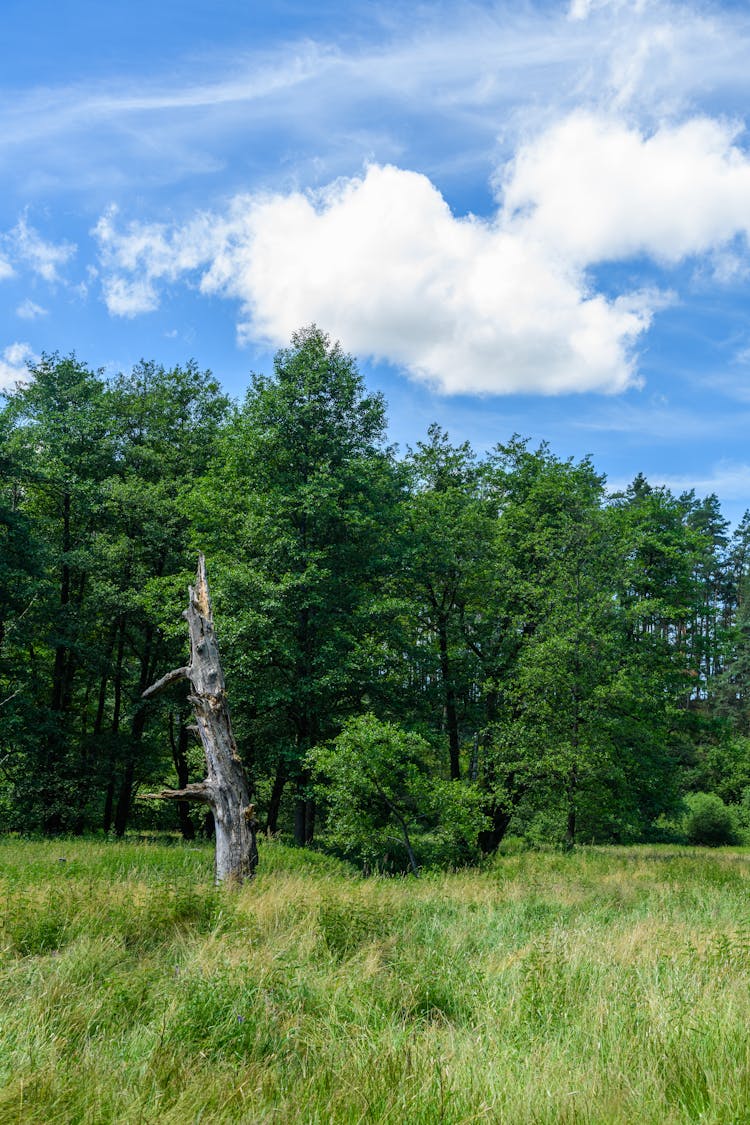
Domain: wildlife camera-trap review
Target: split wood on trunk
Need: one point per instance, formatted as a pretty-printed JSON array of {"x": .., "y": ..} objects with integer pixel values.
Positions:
[{"x": 225, "y": 788}]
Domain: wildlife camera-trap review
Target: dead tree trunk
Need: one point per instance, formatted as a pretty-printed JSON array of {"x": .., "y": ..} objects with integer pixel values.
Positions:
[{"x": 225, "y": 788}]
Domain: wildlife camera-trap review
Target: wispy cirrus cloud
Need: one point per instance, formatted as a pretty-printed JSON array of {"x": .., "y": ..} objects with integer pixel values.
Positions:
[
  {"x": 329, "y": 103},
  {"x": 644, "y": 423}
]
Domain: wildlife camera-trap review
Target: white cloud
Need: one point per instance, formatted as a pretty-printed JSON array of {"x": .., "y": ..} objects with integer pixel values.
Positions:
[
  {"x": 383, "y": 264},
  {"x": 592, "y": 188},
  {"x": 468, "y": 305},
  {"x": 29, "y": 310},
  {"x": 429, "y": 86},
  {"x": 583, "y": 9},
  {"x": 6, "y": 269},
  {"x": 579, "y": 9},
  {"x": 129, "y": 297},
  {"x": 151, "y": 252},
  {"x": 13, "y": 363},
  {"x": 25, "y": 246}
]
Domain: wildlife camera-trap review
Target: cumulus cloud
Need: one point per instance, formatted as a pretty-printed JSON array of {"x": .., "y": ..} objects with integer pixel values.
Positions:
[
  {"x": 498, "y": 305},
  {"x": 595, "y": 189},
  {"x": 383, "y": 264},
  {"x": 13, "y": 361}
]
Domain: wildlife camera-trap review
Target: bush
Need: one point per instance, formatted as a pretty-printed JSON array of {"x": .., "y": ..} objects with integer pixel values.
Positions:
[
  {"x": 743, "y": 809},
  {"x": 709, "y": 821},
  {"x": 386, "y": 809}
]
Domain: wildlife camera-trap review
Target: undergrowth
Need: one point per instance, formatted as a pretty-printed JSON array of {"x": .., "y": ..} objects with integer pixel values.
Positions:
[{"x": 606, "y": 986}]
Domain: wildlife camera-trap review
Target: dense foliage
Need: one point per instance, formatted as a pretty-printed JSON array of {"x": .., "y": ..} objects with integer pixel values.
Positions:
[{"x": 425, "y": 653}]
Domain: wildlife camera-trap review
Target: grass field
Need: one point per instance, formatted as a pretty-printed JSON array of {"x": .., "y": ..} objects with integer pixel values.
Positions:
[{"x": 609, "y": 985}]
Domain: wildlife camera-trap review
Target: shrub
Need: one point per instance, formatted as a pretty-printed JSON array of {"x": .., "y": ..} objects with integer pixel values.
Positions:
[
  {"x": 743, "y": 809},
  {"x": 709, "y": 821},
  {"x": 386, "y": 808}
]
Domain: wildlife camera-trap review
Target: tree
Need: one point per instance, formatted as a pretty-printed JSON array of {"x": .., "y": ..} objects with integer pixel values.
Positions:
[
  {"x": 709, "y": 822},
  {"x": 584, "y": 691},
  {"x": 550, "y": 737},
  {"x": 167, "y": 423},
  {"x": 712, "y": 580},
  {"x": 447, "y": 532},
  {"x": 21, "y": 562},
  {"x": 296, "y": 512},
  {"x": 94, "y": 471},
  {"x": 225, "y": 788},
  {"x": 662, "y": 593},
  {"x": 58, "y": 450},
  {"x": 733, "y": 685}
]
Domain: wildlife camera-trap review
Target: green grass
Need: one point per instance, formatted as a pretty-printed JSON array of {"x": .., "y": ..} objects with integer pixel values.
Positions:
[{"x": 610, "y": 985}]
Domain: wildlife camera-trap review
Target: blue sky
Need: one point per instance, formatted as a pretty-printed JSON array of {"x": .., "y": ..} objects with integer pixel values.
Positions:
[{"x": 524, "y": 218}]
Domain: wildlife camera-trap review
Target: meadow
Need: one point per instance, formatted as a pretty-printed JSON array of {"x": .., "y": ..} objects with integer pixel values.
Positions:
[{"x": 610, "y": 985}]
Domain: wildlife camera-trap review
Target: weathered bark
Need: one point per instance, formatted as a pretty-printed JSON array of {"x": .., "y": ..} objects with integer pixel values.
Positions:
[{"x": 225, "y": 788}]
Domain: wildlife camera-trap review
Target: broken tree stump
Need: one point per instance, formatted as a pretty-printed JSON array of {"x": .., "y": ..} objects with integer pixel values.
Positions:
[{"x": 225, "y": 788}]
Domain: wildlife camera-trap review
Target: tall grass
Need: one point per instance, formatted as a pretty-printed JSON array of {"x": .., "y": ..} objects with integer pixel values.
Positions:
[{"x": 610, "y": 985}]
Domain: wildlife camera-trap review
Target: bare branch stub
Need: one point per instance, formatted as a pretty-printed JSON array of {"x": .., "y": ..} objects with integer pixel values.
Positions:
[
  {"x": 161, "y": 685},
  {"x": 198, "y": 791}
]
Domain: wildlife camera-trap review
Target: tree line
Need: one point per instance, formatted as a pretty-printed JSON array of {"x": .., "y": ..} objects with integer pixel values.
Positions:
[{"x": 425, "y": 652}]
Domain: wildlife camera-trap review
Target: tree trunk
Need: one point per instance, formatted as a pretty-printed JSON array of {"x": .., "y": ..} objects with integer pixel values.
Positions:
[
  {"x": 449, "y": 694},
  {"x": 304, "y": 813},
  {"x": 490, "y": 839},
  {"x": 128, "y": 781},
  {"x": 109, "y": 804},
  {"x": 179, "y": 757},
  {"x": 225, "y": 788},
  {"x": 274, "y": 805},
  {"x": 125, "y": 798},
  {"x": 571, "y": 789}
]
